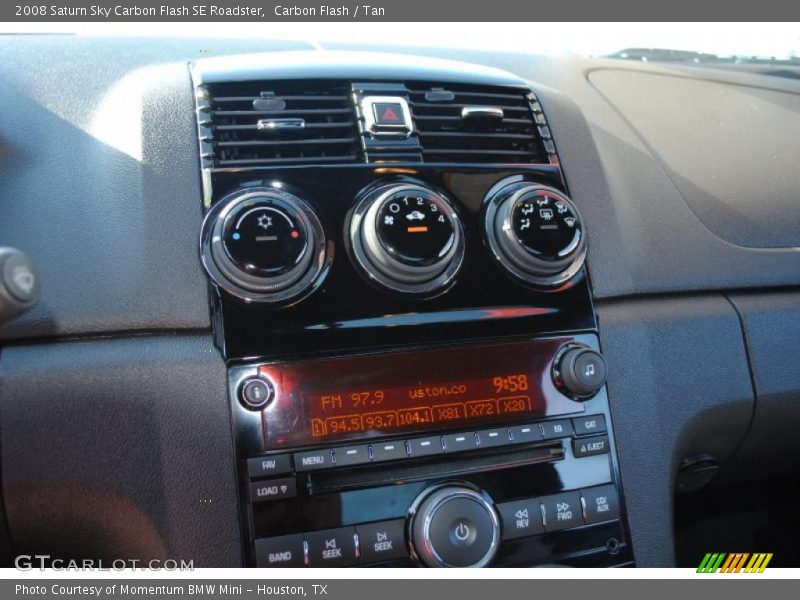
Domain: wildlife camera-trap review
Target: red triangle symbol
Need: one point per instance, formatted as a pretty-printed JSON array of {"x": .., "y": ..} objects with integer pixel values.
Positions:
[{"x": 390, "y": 115}]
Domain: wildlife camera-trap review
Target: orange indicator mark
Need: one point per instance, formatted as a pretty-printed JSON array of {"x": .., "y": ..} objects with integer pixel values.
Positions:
[{"x": 418, "y": 229}]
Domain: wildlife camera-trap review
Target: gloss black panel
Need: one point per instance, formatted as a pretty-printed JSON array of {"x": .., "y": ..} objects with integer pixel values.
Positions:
[{"x": 347, "y": 312}]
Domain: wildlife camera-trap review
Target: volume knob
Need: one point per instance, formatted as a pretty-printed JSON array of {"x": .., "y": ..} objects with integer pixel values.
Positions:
[{"x": 454, "y": 526}]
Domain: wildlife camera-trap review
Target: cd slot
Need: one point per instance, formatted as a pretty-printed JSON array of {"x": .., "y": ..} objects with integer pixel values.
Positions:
[{"x": 325, "y": 482}]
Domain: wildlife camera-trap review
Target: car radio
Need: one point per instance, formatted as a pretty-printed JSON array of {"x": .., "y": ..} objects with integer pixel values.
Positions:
[{"x": 399, "y": 288}]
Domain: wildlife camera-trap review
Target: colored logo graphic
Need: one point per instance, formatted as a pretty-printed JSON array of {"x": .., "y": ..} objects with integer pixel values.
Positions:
[{"x": 719, "y": 562}]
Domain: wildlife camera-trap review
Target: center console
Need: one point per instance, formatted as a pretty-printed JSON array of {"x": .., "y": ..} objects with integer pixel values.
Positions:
[{"x": 399, "y": 287}]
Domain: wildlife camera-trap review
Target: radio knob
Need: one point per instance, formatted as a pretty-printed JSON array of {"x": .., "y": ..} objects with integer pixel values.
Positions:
[
  {"x": 407, "y": 238},
  {"x": 535, "y": 233},
  {"x": 454, "y": 526},
  {"x": 580, "y": 372},
  {"x": 264, "y": 245}
]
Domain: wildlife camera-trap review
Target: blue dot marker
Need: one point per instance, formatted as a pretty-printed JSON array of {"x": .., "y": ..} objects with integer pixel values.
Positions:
[{"x": 236, "y": 235}]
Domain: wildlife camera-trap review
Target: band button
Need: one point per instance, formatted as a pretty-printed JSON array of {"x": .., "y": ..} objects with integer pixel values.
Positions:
[{"x": 283, "y": 551}]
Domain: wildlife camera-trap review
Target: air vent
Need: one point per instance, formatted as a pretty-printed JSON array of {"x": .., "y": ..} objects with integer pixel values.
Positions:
[
  {"x": 276, "y": 123},
  {"x": 477, "y": 124}
]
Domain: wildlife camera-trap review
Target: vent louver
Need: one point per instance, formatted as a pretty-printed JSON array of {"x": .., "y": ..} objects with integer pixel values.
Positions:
[
  {"x": 477, "y": 124},
  {"x": 276, "y": 123}
]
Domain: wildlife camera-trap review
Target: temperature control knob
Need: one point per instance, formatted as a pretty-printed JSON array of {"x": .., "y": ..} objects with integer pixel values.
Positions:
[
  {"x": 536, "y": 233},
  {"x": 264, "y": 245},
  {"x": 454, "y": 526},
  {"x": 407, "y": 238}
]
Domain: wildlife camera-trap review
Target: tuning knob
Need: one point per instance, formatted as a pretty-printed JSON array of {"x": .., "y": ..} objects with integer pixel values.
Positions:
[
  {"x": 264, "y": 245},
  {"x": 535, "y": 233},
  {"x": 407, "y": 238},
  {"x": 579, "y": 371},
  {"x": 454, "y": 526}
]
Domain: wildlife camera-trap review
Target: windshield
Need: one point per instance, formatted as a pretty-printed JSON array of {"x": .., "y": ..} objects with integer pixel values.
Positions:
[{"x": 686, "y": 42}]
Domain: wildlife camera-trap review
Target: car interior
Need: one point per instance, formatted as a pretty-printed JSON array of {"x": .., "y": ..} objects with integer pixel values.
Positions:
[{"x": 272, "y": 303}]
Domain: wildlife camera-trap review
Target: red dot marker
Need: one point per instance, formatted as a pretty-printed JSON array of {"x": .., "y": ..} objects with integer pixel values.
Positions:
[{"x": 295, "y": 235}]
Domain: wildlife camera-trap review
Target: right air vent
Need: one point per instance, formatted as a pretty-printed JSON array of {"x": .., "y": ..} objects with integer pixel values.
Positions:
[{"x": 479, "y": 124}]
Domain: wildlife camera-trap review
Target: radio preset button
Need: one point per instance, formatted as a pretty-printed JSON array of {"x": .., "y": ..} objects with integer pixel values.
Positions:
[
  {"x": 389, "y": 451},
  {"x": 522, "y": 434},
  {"x": 562, "y": 511},
  {"x": 332, "y": 547},
  {"x": 459, "y": 442},
  {"x": 521, "y": 518},
  {"x": 283, "y": 551},
  {"x": 313, "y": 460},
  {"x": 490, "y": 438},
  {"x": 425, "y": 446},
  {"x": 382, "y": 541},
  {"x": 273, "y": 489},
  {"x": 589, "y": 425},
  {"x": 348, "y": 456},
  {"x": 600, "y": 504},
  {"x": 267, "y": 466},
  {"x": 552, "y": 430},
  {"x": 589, "y": 446}
]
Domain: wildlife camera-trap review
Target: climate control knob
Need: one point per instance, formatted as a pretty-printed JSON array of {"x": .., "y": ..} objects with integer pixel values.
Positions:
[
  {"x": 407, "y": 238},
  {"x": 454, "y": 526},
  {"x": 535, "y": 233},
  {"x": 264, "y": 245}
]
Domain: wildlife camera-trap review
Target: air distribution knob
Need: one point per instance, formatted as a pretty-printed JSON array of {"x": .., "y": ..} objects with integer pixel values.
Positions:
[
  {"x": 264, "y": 245},
  {"x": 407, "y": 238},
  {"x": 454, "y": 526},
  {"x": 535, "y": 233}
]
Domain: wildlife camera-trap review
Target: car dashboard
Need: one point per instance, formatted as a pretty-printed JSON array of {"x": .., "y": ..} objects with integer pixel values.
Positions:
[{"x": 366, "y": 306}]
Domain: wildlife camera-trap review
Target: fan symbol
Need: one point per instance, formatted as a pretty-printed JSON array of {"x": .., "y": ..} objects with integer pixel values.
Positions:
[{"x": 265, "y": 221}]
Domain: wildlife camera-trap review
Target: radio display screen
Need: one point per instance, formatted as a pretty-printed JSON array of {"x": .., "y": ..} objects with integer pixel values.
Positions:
[{"x": 409, "y": 392}]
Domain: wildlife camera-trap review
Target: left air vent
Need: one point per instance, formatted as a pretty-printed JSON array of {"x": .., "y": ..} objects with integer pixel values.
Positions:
[{"x": 276, "y": 123}]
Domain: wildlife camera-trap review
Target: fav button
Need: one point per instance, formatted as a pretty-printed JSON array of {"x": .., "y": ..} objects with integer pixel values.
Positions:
[
  {"x": 562, "y": 511},
  {"x": 332, "y": 547},
  {"x": 283, "y": 551},
  {"x": 266, "y": 466},
  {"x": 382, "y": 541}
]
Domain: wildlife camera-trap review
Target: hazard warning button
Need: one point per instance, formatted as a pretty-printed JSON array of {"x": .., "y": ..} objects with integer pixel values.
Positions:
[
  {"x": 387, "y": 113},
  {"x": 386, "y": 116}
]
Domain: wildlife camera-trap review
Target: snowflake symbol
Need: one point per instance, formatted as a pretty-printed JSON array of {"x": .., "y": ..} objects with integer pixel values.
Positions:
[{"x": 265, "y": 221}]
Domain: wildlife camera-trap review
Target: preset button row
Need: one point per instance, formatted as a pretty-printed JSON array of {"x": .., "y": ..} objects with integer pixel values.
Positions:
[{"x": 359, "y": 454}]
